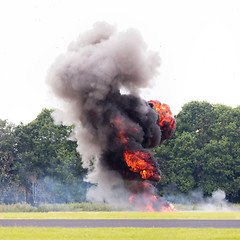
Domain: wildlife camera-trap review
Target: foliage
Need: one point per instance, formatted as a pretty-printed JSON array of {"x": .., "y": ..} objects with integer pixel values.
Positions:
[
  {"x": 47, "y": 167},
  {"x": 8, "y": 152},
  {"x": 39, "y": 164},
  {"x": 204, "y": 152}
]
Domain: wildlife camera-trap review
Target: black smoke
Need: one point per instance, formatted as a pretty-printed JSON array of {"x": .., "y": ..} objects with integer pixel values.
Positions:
[{"x": 98, "y": 80}]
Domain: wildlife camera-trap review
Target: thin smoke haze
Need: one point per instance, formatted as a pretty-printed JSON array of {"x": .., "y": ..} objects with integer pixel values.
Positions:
[{"x": 196, "y": 201}]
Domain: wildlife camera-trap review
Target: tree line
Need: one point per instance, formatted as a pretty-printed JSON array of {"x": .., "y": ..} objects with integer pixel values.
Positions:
[
  {"x": 38, "y": 162},
  {"x": 204, "y": 152}
]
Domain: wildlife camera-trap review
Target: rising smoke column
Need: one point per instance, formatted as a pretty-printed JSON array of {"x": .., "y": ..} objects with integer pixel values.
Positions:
[{"x": 117, "y": 128}]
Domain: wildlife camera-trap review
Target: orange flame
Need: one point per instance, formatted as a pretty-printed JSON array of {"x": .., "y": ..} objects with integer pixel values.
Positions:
[
  {"x": 137, "y": 161},
  {"x": 169, "y": 208},
  {"x": 166, "y": 121},
  {"x": 147, "y": 201},
  {"x": 141, "y": 162},
  {"x": 121, "y": 133},
  {"x": 151, "y": 203}
]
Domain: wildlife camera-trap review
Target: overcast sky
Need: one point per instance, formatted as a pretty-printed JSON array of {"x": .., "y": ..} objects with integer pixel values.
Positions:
[{"x": 198, "y": 42}]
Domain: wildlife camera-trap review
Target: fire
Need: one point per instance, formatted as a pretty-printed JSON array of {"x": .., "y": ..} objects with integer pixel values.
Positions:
[
  {"x": 121, "y": 126},
  {"x": 137, "y": 161},
  {"x": 166, "y": 121},
  {"x": 121, "y": 133},
  {"x": 147, "y": 201},
  {"x": 169, "y": 208},
  {"x": 141, "y": 162}
]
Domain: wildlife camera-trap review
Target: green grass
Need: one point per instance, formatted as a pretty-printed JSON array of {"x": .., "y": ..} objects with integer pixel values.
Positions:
[
  {"x": 117, "y": 233},
  {"x": 30, "y": 233},
  {"x": 47, "y": 207},
  {"x": 121, "y": 215},
  {"x": 88, "y": 206}
]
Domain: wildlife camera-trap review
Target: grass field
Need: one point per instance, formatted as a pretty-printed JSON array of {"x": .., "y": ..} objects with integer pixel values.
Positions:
[
  {"x": 117, "y": 233},
  {"x": 30, "y": 233},
  {"x": 121, "y": 215}
]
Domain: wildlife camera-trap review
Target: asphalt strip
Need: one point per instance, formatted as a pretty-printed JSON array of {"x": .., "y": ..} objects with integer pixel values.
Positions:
[{"x": 114, "y": 223}]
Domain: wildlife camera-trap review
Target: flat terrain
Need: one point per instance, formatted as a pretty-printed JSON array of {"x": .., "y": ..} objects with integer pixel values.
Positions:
[
  {"x": 147, "y": 230},
  {"x": 122, "y": 219},
  {"x": 120, "y": 215},
  {"x": 116, "y": 223},
  {"x": 118, "y": 233}
]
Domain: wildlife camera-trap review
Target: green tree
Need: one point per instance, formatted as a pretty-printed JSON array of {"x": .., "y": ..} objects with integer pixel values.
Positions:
[
  {"x": 45, "y": 152},
  {"x": 204, "y": 150},
  {"x": 8, "y": 153}
]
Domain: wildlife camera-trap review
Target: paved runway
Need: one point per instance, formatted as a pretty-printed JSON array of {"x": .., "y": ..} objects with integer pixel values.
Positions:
[{"x": 105, "y": 223}]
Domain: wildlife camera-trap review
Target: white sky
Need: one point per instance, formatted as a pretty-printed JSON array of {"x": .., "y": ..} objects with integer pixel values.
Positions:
[{"x": 198, "y": 42}]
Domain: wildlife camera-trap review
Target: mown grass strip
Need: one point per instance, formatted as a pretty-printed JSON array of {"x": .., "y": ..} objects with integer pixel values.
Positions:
[
  {"x": 117, "y": 233},
  {"x": 121, "y": 215}
]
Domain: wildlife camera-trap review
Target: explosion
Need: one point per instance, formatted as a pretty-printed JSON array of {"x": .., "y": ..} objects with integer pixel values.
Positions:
[
  {"x": 146, "y": 200},
  {"x": 166, "y": 121},
  {"x": 116, "y": 128}
]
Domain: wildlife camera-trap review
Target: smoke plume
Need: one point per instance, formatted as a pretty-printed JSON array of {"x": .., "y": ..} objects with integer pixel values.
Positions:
[{"x": 98, "y": 79}]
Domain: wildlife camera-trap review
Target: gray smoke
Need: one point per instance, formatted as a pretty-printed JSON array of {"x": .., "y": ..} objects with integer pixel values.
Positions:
[
  {"x": 90, "y": 79},
  {"x": 195, "y": 201}
]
